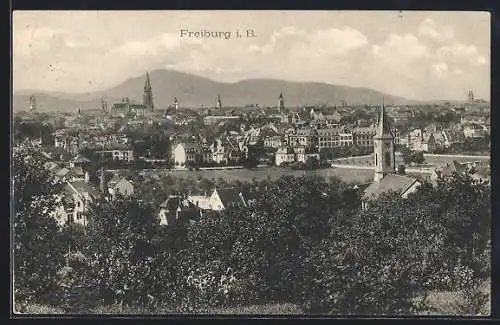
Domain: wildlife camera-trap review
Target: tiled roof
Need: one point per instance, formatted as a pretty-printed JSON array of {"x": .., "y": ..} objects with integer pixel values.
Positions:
[
  {"x": 77, "y": 171},
  {"x": 119, "y": 106},
  {"x": 450, "y": 168},
  {"x": 391, "y": 182},
  {"x": 115, "y": 179},
  {"x": 82, "y": 187},
  {"x": 228, "y": 195},
  {"x": 123, "y": 180},
  {"x": 171, "y": 203},
  {"x": 81, "y": 159},
  {"x": 285, "y": 150},
  {"x": 62, "y": 172}
]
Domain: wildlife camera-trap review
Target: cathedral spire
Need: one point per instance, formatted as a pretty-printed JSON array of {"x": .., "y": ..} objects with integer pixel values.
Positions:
[
  {"x": 281, "y": 103},
  {"x": 147, "y": 84},
  {"x": 147, "y": 97}
]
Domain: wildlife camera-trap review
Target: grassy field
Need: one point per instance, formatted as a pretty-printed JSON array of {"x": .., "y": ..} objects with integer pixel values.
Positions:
[
  {"x": 273, "y": 173},
  {"x": 439, "y": 303},
  {"x": 267, "y": 309},
  {"x": 431, "y": 161}
]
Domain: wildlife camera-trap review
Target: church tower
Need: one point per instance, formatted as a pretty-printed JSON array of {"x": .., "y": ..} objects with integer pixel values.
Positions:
[
  {"x": 383, "y": 142},
  {"x": 281, "y": 105},
  {"x": 32, "y": 103},
  {"x": 176, "y": 104},
  {"x": 219, "y": 103},
  {"x": 147, "y": 97}
]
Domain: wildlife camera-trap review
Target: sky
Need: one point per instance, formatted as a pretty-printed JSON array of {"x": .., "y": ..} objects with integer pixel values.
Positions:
[{"x": 417, "y": 55}]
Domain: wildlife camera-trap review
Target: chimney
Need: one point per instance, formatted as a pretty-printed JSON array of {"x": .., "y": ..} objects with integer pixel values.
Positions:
[{"x": 101, "y": 185}]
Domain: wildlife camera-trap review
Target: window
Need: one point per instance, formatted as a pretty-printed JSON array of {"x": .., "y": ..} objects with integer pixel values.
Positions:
[
  {"x": 376, "y": 159},
  {"x": 388, "y": 159},
  {"x": 78, "y": 204}
]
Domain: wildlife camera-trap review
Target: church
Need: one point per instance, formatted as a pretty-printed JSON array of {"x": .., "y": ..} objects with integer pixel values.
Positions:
[
  {"x": 385, "y": 179},
  {"x": 125, "y": 107}
]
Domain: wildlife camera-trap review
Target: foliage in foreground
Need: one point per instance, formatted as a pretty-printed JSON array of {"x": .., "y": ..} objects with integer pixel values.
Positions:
[{"x": 303, "y": 241}]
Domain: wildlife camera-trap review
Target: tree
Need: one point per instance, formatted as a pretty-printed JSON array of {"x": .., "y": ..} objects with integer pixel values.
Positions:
[
  {"x": 38, "y": 254},
  {"x": 119, "y": 247},
  {"x": 410, "y": 156}
]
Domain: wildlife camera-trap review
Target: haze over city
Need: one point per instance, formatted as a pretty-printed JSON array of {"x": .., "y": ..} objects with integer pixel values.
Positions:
[{"x": 416, "y": 55}]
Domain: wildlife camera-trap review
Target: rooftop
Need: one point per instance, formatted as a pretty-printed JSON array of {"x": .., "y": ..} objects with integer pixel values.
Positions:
[{"x": 390, "y": 183}]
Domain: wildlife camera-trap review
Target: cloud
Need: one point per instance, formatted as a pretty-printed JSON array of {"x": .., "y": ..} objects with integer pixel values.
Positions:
[
  {"x": 429, "y": 29},
  {"x": 461, "y": 52},
  {"x": 33, "y": 40},
  {"x": 440, "y": 69},
  {"x": 154, "y": 46},
  {"x": 400, "y": 48},
  {"x": 300, "y": 43}
]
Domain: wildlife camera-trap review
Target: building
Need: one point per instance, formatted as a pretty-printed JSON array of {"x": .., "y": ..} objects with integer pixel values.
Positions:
[
  {"x": 384, "y": 179},
  {"x": 363, "y": 136},
  {"x": 429, "y": 143},
  {"x": 214, "y": 119},
  {"x": 183, "y": 153},
  {"x": 470, "y": 95},
  {"x": 219, "y": 200},
  {"x": 281, "y": 103},
  {"x": 284, "y": 155},
  {"x": 147, "y": 97},
  {"x": 218, "y": 103},
  {"x": 120, "y": 185},
  {"x": 472, "y": 130},
  {"x": 306, "y": 137},
  {"x": 175, "y": 209},
  {"x": 328, "y": 138},
  {"x": 346, "y": 139},
  {"x": 289, "y": 155},
  {"x": 75, "y": 202},
  {"x": 447, "y": 171},
  {"x": 176, "y": 104},
  {"x": 80, "y": 161},
  {"x": 116, "y": 152},
  {"x": 126, "y": 107},
  {"x": 275, "y": 141}
]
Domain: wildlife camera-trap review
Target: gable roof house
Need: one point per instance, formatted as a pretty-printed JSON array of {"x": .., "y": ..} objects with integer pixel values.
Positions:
[
  {"x": 75, "y": 202},
  {"x": 177, "y": 208},
  {"x": 448, "y": 170},
  {"x": 79, "y": 160},
  {"x": 120, "y": 185},
  {"x": 219, "y": 200}
]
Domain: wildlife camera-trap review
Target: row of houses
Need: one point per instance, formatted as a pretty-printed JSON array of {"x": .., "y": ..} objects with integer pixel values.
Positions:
[
  {"x": 428, "y": 141},
  {"x": 332, "y": 137}
]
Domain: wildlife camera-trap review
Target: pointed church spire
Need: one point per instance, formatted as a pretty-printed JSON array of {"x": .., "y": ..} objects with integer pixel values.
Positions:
[
  {"x": 147, "y": 97},
  {"x": 383, "y": 128},
  {"x": 147, "y": 84}
]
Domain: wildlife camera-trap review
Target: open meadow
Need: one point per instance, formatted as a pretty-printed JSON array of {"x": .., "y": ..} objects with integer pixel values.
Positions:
[
  {"x": 273, "y": 173},
  {"x": 430, "y": 160}
]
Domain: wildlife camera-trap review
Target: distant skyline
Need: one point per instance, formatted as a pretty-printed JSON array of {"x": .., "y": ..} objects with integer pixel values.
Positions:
[{"x": 416, "y": 55}]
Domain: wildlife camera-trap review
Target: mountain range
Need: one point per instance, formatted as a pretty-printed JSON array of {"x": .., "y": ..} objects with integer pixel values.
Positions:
[{"x": 196, "y": 92}]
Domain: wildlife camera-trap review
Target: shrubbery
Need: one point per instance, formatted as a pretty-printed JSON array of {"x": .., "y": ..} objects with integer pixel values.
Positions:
[{"x": 304, "y": 241}]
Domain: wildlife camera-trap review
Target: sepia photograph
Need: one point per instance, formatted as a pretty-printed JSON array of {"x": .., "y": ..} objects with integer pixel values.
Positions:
[{"x": 175, "y": 162}]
